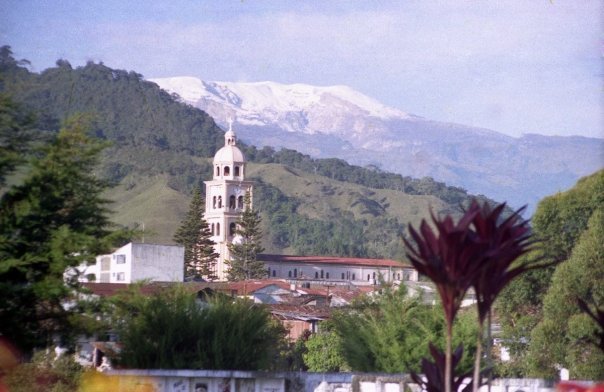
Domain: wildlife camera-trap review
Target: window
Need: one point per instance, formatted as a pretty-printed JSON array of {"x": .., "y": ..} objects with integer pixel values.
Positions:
[
  {"x": 327, "y": 275},
  {"x": 232, "y": 229},
  {"x": 316, "y": 275},
  {"x": 105, "y": 264},
  {"x": 368, "y": 277},
  {"x": 217, "y": 171},
  {"x": 232, "y": 201},
  {"x": 289, "y": 274},
  {"x": 214, "y": 202},
  {"x": 353, "y": 277},
  {"x": 121, "y": 276},
  {"x": 274, "y": 273},
  {"x": 227, "y": 171},
  {"x": 236, "y": 171},
  {"x": 295, "y": 272},
  {"x": 321, "y": 274},
  {"x": 342, "y": 275},
  {"x": 219, "y": 201},
  {"x": 120, "y": 259},
  {"x": 212, "y": 228},
  {"x": 217, "y": 228},
  {"x": 240, "y": 202}
]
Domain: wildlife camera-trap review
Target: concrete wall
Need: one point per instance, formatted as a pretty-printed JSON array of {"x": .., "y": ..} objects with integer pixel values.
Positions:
[
  {"x": 249, "y": 381},
  {"x": 161, "y": 263},
  {"x": 133, "y": 262}
]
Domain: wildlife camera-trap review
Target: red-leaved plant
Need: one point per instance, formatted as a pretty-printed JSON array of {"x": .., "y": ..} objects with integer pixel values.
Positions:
[
  {"x": 476, "y": 252},
  {"x": 434, "y": 372}
]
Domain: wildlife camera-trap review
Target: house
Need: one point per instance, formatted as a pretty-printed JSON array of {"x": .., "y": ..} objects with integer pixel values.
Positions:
[{"x": 134, "y": 262}]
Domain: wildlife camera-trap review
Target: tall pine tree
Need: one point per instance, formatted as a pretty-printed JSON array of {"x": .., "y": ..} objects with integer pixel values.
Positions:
[
  {"x": 194, "y": 234},
  {"x": 244, "y": 263},
  {"x": 53, "y": 220}
]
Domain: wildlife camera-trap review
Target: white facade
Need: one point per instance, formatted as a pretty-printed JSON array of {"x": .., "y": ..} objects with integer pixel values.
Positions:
[
  {"x": 225, "y": 198},
  {"x": 337, "y": 269},
  {"x": 134, "y": 262}
]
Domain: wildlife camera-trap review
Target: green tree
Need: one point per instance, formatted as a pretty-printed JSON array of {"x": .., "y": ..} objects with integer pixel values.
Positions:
[
  {"x": 324, "y": 351},
  {"x": 171, "y": 329},
  {"x": 391, "y": 333},
  {"x": 558, "y": 223},
  {"x": 246, "y": 246},
  {"x": 55, "y": 219},
  {"x": 194, "y": 234},
  {"x": 566, "y": 336}
]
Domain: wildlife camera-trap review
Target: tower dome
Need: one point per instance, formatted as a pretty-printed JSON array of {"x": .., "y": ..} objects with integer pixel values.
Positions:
[{"x": 229, "y": 161}]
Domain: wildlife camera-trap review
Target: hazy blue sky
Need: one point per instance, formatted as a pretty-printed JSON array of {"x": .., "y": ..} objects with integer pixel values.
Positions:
[{"x": 511, "y": 66}]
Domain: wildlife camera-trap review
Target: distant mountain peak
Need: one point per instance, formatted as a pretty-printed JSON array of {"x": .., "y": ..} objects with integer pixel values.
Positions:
[
  {"x": 295, "y": 107},
  {"x": 337, "y": 121}
]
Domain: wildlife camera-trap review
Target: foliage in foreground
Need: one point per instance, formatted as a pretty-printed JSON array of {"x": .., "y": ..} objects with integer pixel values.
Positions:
[
  {"x": 172, "y": 329},
  {"x": 566, "y": 336},
  {"x": 52, "y": 220},
  {"x": 388, "y": 333},
  {"x": 45, "y": 373},
  {"x": 560, "y": 223},
  {"x": 475, "y": 252}
]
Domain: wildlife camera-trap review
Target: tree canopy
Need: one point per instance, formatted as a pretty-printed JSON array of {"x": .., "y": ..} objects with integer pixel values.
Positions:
[
  {"x": 171, "y": 329},
  {"x": 246, "y": 246},
  {"x": 53, "y": 220},
  {"x": 194, "y": 234},
  {"x": 560, "y": 222},
  {"x": 391, "y": 332}
]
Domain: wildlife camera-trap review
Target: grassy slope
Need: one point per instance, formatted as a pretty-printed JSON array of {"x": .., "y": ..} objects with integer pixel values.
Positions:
[
  {"x": 152, "y": 202},
  {"x": 161, "y": 208}
]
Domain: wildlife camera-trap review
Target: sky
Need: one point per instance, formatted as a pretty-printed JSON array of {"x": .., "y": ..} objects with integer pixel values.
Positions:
[{"x": 512, "y": 66}]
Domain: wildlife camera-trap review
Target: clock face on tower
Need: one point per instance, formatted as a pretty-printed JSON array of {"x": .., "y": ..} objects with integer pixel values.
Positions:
[{"x": 238, "y": 190}]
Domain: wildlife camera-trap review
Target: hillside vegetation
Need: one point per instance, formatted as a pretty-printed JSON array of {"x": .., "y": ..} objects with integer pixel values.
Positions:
[{"x": 161, "y": 149}]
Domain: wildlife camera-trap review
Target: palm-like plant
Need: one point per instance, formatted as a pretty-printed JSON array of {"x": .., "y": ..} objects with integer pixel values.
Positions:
[
  {"x": 476, "y": 252},
  {"x": 450, "y": 258},
  {"x": 501, "y": 241}
]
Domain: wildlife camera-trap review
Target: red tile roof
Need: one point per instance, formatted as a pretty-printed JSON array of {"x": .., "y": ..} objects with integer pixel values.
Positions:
[{"x": 333, "y": 260}]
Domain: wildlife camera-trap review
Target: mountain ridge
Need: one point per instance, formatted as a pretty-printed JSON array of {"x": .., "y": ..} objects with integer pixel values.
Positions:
[{"x": 362, "y": 131}]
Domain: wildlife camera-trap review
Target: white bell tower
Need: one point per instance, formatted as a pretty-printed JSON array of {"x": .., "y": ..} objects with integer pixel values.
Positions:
[{"x": 224, "y": 197}]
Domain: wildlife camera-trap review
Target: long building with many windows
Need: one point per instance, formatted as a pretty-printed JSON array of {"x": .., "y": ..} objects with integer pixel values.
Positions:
[{"x": 337, "y": 269}]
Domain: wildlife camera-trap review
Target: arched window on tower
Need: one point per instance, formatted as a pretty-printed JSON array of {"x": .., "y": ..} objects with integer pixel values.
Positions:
[
  {"x": 217, "y": 171},
  {"x": 232, "y": 228},
  {"x": 214, "y": 202},
  {"x": 227, "y": 171},
  {"x": 217, "y": 228},
  {"x": 232, "y": 202},
  {"x": 240, "y": 202},
  {"x": 236, "y": 171},
  {"x": 219, "y": 201}
]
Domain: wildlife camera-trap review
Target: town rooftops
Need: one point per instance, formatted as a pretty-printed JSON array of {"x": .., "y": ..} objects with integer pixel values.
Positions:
[{"x": 333, "y": 260}]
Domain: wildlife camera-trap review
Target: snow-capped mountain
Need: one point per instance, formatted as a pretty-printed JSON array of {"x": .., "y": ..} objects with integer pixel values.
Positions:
[{"x": 337, "y": 121}]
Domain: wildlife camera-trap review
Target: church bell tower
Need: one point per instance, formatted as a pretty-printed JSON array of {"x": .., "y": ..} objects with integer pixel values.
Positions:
[{"x": 224, "y": 197}]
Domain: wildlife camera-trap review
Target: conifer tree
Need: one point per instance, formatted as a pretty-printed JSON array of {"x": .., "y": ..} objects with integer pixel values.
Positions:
[
  {"x": 194, "y": 234},
  {"x": 244, "y": 263},
  {"x": 53, "y": 220}
]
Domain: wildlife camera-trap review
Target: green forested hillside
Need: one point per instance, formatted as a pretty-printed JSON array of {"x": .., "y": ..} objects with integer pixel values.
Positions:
[{"x": 161, "y": 149}]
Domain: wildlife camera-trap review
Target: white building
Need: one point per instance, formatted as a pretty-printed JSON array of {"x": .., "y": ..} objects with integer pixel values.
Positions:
[
  {"x": 224, "y": 198},
  {"x": 134, "y": 262},
  {"x": 337, "y": 269}
]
